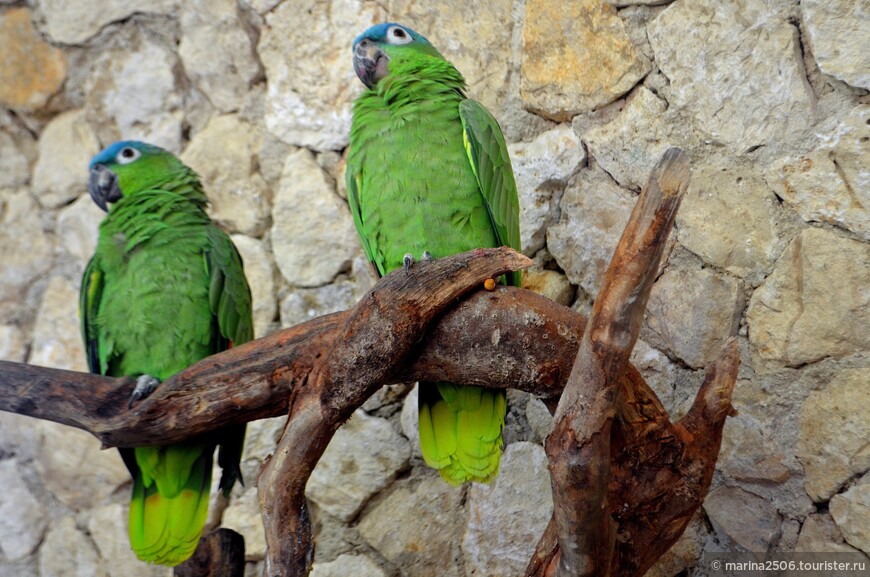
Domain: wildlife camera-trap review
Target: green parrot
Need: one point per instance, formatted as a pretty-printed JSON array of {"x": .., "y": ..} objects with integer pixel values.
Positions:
[
  {"x": 428, "y": 174},
  {"x": 164, "y": 289}
]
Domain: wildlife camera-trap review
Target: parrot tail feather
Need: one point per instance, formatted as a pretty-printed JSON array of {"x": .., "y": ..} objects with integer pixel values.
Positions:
[
  {"x": 460, "y": 430},
  {"x": 166, "y": 528}
]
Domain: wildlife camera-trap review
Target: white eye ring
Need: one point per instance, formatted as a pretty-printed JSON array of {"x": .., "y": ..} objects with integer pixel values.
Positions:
[
  {"x": 398, "y": 35},
  {"x": 127, "y": 155}
]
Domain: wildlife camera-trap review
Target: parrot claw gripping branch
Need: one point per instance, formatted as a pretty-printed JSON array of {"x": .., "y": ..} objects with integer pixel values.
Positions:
[{"x": 626, "y": 480}]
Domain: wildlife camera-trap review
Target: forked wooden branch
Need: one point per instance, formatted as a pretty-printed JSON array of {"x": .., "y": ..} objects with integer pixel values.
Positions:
[
  {"x": 320, "y": 371},
  {"x": 619, "y": 468}
]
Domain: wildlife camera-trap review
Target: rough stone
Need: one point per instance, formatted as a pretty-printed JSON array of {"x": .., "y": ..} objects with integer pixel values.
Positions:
[
  {"x": 631, "y": 144},
  {"x": 694, "y": 312},
  {"x": 243, "y": 516},
  {"x": 549, "y": 283},
  {"x": 108, "y": 529},
  {"x": 747, "y": 520},
  {"x": 22, "y": 516},
  {"x": 307, "y": 103},
  {"x": 67, "y": 552},
  {"x": 541, "y": 170},
  {"x": 134, "y": 94},
  {"x": 27, "y": 251},
  {"x": 851, "y": 512},
  {"x": 12, "y": 345},
  {"x": 217, "y": 52},
  {"x": 727, "y": 217},
  {"x": 74, "y": 468},
  {"x": 75, "y": 21},
  {"x": 507, "y": 517},
  {"x": 259, "y": 271},
  {"x": 658, "y": 371},
  {"x": 57, "y": 339},
  {"x": 820, "y": 534},
  {"x": 684, "y": 553},
  {"x": 417, "y": 527},
  {"x": 539, "y": 418},
  {"x": 31, "y": 70},
  {"x": 19, "y": 438},
  {"x": 735, "y": 67},
  {"x": 65, "y": 149},
  {"x": 831, "y": 183},
  {"x": 304, "y": 304},
  {"x": 594, "y": 213},
  {"x": 834, "y": 428},
  {"x": 313, "y": 236},
  {"x": 576, "y": 57},
  {"x": 14, "y": 164},
  {"x": 410, "y": 420},
  {"x": 224, "y": 156},
  {"x": 344, "y": 565},
  {"x": 813, "y": 305},
  {"x": 829, "y": 22},
  {"x": 78, "y": 228},
  {"x": 363, "y": 457}
]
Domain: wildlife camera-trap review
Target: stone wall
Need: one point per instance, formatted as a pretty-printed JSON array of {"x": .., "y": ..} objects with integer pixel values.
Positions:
[{"x": 772, "y": 243}]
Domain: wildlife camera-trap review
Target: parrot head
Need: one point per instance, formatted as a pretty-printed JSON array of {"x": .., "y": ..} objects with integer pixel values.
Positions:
[
  {"x": 374, "y": 49},
  {"x": 125, "y": 167}
]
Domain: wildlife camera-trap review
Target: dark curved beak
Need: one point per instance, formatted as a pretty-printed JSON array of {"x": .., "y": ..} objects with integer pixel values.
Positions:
[
  {"x": 103, "y": 186},
  {"x": 369, "y": 62}
]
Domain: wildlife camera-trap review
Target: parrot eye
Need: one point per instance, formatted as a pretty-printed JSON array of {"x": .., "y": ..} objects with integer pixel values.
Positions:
[
  {"x": 397, "y": 35},
  {"x": 127, "y": 155}
]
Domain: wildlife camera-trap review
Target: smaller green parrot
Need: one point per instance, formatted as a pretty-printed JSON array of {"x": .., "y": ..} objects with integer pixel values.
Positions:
[
  {"x": 164, "y": 289},
  {"x": 428, "y": 174}
]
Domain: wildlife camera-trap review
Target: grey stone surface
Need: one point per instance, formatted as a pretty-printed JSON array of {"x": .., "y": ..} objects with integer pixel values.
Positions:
[
  {"x": 834, "y": 429},
  {"x": 542, "y": 169},
  {"x": 260, "y": 272},
  {"x": 831, "y": 183},
  {"x": 68, "y": 552},
  {"x": 851, "y": 513},
  {"x": 417, "y": 527},
  {"x": 57, "y": 340},
  {"x": 819, "y": 534},
  {"x": 108, "y": 528},
  {"x": 78, "y": 228},
  {"x": 313, "y": 236},
  {"x": 594, "y": 212},
  {"x": 507, "y": 517},
  {"x": 224, "y": 156},
  {"x": 12, "y": 344},
  {"x": 22, "y": 517},
  {"x": 694, "y": 312},
  {"x": 829, "y": 23},
  {"x": 736, "y": 68},
  {"x": 75, "y": 21},
  {"x": 346, "y": 565},
  {"x": 810, "y": 306},
  {"x": 61, "y": 171},
  {"x": 217, "y": 52},
  {"x": 243, "y": 516},
  {"x": 363, "y": 457},
  {"x": 747, "y": 520}
]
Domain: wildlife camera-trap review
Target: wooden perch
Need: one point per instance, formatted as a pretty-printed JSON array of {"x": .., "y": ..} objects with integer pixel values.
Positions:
[{"x": 617, "y": 462}]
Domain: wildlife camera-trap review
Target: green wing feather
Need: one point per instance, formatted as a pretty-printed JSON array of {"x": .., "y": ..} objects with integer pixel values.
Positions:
[
  {"x": 488, "y": 155},
  {"x": 89, "y": 302},
  {"x": 352, "y": 178}
]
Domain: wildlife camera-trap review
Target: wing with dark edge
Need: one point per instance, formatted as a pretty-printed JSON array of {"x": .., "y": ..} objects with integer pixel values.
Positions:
[{"x": 487, "y": 152}]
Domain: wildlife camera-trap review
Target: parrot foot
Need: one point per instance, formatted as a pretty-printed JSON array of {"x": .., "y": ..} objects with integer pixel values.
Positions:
[
  {"x": 145, "y": 385},
  {"x": 408, "y": 260}
]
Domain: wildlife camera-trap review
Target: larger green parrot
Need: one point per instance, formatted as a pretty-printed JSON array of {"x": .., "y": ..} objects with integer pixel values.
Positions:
[
  {"x": 164, "y": 289},
  {"x": 428, "y": 175}
]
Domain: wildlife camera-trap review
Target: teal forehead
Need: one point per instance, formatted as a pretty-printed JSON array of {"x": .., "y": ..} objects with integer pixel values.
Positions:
[
  {"x": 378, "y": 33},
  {"x": 109, "y": 153}
]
